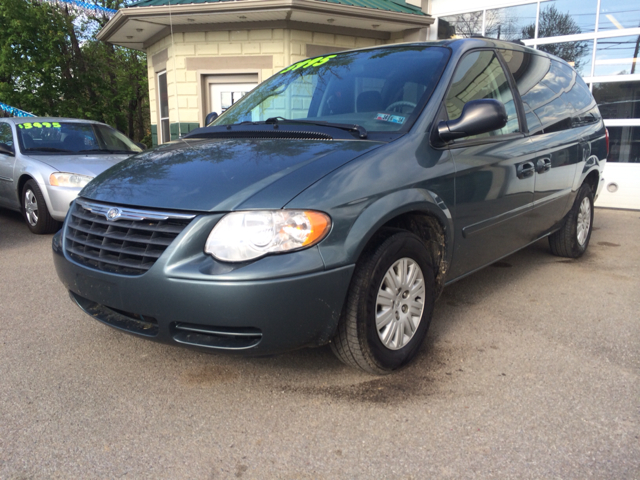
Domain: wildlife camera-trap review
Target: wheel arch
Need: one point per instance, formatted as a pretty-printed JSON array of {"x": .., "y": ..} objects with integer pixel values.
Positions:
[
  {"x": 418, "y": 211},
  {"x": 593, "y": 179},
  {"x": 37, "y": 177}
]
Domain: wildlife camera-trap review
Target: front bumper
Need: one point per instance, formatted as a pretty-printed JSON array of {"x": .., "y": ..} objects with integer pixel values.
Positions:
[
  {"x": 275, "y": 304},
  {"x": 60, "y": 198}
]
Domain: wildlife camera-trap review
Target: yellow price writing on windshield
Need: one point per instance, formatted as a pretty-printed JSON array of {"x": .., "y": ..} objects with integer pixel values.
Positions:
[
  {"x": 313, "y": 62},
  {"x": 39, "y": 125}
]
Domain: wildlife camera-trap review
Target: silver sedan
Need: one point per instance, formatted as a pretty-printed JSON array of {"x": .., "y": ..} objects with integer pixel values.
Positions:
[{"x": 45, "y": 162}]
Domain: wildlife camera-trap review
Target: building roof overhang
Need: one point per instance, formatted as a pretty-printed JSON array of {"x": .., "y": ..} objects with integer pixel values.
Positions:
[{"x": 140, "y": 27}]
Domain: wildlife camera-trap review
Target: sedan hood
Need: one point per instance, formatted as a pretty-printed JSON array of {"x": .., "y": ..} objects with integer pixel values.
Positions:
[
  {"x": 223, "y": 174},
  {"x": 90, "y": 165}
]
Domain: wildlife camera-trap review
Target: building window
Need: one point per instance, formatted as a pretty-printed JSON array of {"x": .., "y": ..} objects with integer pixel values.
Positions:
[
  {"x": 163, "y": 100},
  {"x": 511, "y": 23},
  {"x": 618, "y": 100},
  {"x": 576, "y": 54},
  {"x": 617, "y": 55},
  {"x": 619, "y": 14}
]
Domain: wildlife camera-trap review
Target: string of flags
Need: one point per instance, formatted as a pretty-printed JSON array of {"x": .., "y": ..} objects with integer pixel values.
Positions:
[
  {"x": 16, "y": 112},
  {"x": 79, "y": 7}
]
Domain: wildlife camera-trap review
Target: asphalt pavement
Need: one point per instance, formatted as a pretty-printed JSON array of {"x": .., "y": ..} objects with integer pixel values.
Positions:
[{"x": 530, "y": 370}]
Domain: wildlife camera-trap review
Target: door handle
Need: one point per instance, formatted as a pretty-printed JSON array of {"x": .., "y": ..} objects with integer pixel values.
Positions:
[
  {"x": 525, "y": 170},
  {"x": 543, "y": 165}
]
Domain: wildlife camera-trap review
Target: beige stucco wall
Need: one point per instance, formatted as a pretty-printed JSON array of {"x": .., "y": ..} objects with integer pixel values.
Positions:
[{"x": 281, "y": 46}]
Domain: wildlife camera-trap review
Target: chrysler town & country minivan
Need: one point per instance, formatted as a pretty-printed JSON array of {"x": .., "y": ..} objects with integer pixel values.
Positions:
[{"x": 333, "y": 203}]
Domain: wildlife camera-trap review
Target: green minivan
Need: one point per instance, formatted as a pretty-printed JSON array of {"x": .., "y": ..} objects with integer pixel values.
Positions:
[{"x": 333, "y": 203}]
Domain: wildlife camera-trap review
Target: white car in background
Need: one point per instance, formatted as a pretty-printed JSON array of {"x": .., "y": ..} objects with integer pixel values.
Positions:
[{"x": 45, "y": 162}]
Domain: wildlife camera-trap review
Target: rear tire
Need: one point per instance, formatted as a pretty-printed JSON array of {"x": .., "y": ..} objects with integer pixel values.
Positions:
[
  {"x": 573, "y": 238},
  {"x": 389, "y": 305},
  {"x": 35, "y": 212}
]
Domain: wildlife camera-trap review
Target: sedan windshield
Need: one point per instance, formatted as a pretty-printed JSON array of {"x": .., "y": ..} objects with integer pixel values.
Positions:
[
  {"x": 381, "y": 90},
  {"x": 72, "y": 137}
]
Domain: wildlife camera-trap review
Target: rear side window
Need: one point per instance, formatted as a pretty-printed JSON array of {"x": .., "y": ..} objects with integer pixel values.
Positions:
[
  {"x": 480, "y": 75},
  {"x": 554, "y": 96}
]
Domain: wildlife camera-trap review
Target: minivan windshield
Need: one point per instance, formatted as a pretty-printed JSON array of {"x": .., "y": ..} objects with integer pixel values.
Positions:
[
  {"x": 72, "y": 138},
  {"x": 380, "y": 89}
]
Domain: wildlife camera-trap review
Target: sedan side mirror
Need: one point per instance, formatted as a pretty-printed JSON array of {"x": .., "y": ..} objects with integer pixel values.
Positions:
[
  {"x": 141, "y": 145},
  {"x": 6, "y": 149},
  {"x": 210, "y": 118},
  {"x": 478, "y": 116}
]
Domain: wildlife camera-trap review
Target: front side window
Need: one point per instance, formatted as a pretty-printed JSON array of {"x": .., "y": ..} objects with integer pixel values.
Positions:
[
  {"x": 6, "y": 136},
  {"x": 382, "y": 90},
  {"x": 479, "y": 75}
]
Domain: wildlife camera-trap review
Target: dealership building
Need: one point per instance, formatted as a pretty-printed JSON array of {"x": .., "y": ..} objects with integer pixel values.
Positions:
[{"x": 205, "y": 54}]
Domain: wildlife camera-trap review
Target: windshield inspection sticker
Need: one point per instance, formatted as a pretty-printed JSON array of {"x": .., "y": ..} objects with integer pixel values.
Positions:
[
  {"x": 39, "y": 125},
  {"x": 313, "y": 62},
  {"x": 385, "y": 117}
]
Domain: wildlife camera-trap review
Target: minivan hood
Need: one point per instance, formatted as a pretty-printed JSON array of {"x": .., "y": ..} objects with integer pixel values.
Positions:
[
  {"x": 222, "y": 174},
  {"x": 85, "y": 164}
]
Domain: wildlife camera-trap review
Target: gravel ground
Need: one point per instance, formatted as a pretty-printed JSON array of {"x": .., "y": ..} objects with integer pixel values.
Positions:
[{"x": 530, "y": 370}]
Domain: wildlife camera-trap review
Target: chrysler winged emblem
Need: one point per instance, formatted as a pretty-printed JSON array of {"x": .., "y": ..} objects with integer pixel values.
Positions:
[{"x": 113, "y": 214}]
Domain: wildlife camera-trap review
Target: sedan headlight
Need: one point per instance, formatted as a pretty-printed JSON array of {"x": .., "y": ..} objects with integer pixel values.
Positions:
[
  {"x": 242, "y": 236},
  {"x": 62, "y": 179}
]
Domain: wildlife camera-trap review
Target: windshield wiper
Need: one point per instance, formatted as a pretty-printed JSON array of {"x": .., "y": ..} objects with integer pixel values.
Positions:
[
  {"x": 362, "y": 133},
  {"x": 47, "y": 149},
  {"x": 104, "y": 150}
]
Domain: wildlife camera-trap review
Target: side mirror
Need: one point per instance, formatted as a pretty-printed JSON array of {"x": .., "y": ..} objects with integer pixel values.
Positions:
[
  {"x": 478, "y": 116},
  {"x": 6, "y": 149},
  {"x": 141, "y": 145},
  {"x": 210, "y": 118}
]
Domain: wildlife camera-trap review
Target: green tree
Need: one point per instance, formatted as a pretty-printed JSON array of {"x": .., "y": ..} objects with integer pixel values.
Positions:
[
  {"x": 51, "y": 64},
  {"x": 552, "y": 23}
]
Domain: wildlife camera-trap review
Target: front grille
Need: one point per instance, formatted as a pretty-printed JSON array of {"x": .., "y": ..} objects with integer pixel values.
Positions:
[
  {"x": 131, "y": 322},
  {"x": 128, "y": 244}
]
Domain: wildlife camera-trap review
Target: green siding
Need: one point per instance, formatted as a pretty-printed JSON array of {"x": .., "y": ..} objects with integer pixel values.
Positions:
[
  {"x": 154, "y": 135},
  {"x": 387, "y": 5},
  {"x": 184, "y": 129}
]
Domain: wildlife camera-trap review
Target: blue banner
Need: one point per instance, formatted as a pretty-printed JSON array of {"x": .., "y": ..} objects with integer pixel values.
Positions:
[
  {"x": 83, "y": 7},
  {"x": 16, "y": 112}
]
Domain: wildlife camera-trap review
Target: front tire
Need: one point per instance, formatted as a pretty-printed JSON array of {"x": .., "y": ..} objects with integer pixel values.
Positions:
[
  {"x": 389, "y": 305},
  {"x": 35, "y": 212},
  {"x": 573, "y": 238}
]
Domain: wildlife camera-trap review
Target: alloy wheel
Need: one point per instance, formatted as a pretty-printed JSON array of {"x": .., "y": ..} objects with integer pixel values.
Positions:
[
  {"x": 400, "y": 303},
  {"x": 584, "y": 221},
  {"x": 31, "y": 207}
]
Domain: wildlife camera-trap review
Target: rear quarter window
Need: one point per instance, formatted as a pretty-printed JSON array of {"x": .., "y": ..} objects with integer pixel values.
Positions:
[{"x": 555, "y": 97}]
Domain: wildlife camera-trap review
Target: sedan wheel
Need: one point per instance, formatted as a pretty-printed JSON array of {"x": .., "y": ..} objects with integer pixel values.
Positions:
[
  {"x": 35, "y": 210},
  {"x": 30, "y": 207}
]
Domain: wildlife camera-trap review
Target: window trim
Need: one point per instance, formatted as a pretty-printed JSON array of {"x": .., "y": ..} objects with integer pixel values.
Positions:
[{"x": 161, "y": 139}]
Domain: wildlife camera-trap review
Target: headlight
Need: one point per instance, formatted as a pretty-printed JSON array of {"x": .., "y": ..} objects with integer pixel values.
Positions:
[
  {"x": 242, "y": 236},
  {"x": 61, "y": 179}
]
